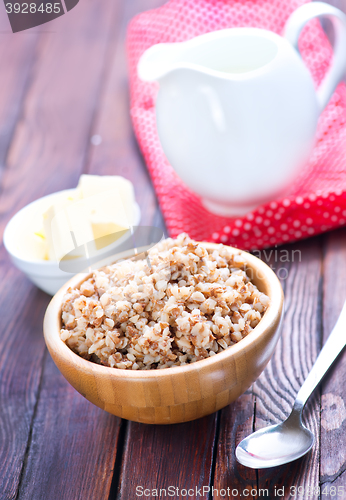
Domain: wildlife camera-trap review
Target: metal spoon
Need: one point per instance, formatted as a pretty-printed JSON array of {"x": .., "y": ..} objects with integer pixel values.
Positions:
[{"x": 285, "y": 442}]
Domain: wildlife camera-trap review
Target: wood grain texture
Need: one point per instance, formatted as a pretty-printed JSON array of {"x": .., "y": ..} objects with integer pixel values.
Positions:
[
  {"x": 333, "y": 392},
  {"x": 48, "y": 150},
  {"x": 333, "y": 398},
  {"x": 18, "y": 343},
  {"x": 273, "y": 394},
  {"x": 46, "y": 154},
  {"x": 179, "y": 456},
  {"x": 73, "y": 445},
  {"x": 118, "y": 152},
  {"x": 58, "y": 87},
  {"x": 300, "y": 342},
  {"x": 51, "y": 138},
  {"x": 237, "y": 422},
  {"x": 17, "y": 56},
  {"x": 21, "y": 358}
]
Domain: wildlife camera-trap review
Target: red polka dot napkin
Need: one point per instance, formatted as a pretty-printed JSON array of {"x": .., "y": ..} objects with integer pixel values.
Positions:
[{"x": 315, "y": 203}]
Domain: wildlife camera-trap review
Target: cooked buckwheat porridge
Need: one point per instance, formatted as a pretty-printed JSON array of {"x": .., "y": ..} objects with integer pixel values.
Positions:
[{"x": 182, "y": 304}]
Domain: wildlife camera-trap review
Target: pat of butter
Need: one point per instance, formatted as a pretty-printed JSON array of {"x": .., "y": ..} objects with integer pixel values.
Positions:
[
  {"x": 36, "y": 246},
  {"x": 106, "y": 233},
  {"x": 54, "y": 219},
  {"x": 90, "y": 185},
  {"x": 97, "y": 213}
]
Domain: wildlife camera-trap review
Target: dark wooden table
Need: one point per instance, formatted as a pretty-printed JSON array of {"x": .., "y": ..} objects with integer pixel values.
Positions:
[{"x": 60, "y": 85}]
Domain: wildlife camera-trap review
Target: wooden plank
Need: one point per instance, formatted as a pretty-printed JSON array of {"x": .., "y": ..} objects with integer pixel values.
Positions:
[
  {"x": 16, "y": 60},
  {"x": 177, "y": 456},
  {"x": 48, "y": 154},
  {"x": 49, "y": 148},
  {"x": 147, "y": 448},
  {"x": 333, "y": 399},
  {"x": 20, "y": 372},
  {"x": 73, "y": 444},
  {"x": 276, "y": 388},
  {"x": 299, "y": 267},
  {"x": 333, "y": 393},
  {"x": 118, "y": 152},
  {"x": 237, "y": 421},
  {"x": 100, "y": 432}
]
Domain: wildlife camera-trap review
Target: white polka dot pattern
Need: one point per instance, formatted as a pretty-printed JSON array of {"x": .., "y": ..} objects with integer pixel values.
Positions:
[{"x": 316, "y": 202}]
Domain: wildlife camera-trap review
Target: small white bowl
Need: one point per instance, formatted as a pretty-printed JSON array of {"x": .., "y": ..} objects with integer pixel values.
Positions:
[{"x": 45, "y": 274}]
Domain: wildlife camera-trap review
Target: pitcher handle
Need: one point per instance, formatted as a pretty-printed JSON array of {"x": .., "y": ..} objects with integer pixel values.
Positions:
[{"x": 337, "y": 69}]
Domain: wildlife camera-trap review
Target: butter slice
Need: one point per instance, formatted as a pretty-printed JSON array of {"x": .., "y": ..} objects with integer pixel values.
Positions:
[
  {"x": 35, "y": 246},
  {"x": 106, "y": 233},
  {"x": 104, "y": 213},
  {"x": 71, "y": 225},
  {"x": 98, "y": 213},
  {"x": 58, "y": 232},
  {"x": 90, "y": 185}
]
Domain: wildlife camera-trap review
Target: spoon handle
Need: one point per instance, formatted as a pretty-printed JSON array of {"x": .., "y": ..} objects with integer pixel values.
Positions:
[{"x": 330, "y": 351}]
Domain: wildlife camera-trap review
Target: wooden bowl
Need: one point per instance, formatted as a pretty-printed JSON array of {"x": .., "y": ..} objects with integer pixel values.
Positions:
[{"x": 176, "y": 394}]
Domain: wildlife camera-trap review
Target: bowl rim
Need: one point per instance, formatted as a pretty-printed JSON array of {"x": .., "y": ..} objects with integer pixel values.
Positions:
[
  {"x": 7, "y": 235},
  {"x": 273, "y": 314}
]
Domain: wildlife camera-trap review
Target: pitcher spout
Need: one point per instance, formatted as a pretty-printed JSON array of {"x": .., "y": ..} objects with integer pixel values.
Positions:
[{"x": 158, "y": 60}]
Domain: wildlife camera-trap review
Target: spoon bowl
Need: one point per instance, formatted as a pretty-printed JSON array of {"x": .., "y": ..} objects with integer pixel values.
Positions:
[{"x": 276, "y": 445}]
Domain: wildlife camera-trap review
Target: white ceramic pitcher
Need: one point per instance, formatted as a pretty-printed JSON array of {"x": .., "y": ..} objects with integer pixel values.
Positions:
[{"x": 237, "y": 110}]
